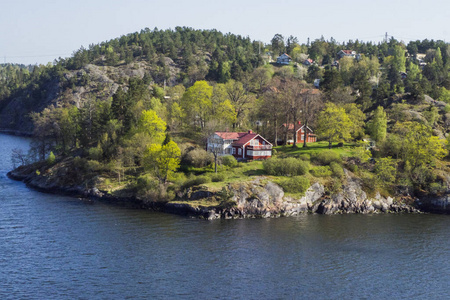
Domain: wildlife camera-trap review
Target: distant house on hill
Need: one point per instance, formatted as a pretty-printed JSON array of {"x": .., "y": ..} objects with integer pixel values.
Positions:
[
  {"x": 299, "y": 130},
  {"x": 284, "y": 59},
  {"x": 346, "y": 53},
  {"x": 308, "y": 62},
  {"x": 242, "y": 145}
]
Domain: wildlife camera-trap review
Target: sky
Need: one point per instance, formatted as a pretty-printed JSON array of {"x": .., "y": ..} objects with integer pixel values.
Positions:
[{"x": 40, "y": 31}]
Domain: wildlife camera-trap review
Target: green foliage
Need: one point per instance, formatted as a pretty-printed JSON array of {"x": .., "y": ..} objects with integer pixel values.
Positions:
[
  {"x": 334, "y": 125},
  {"x": 326, "y": 157},
  {"x": 152, "y": 125},
  {"x": 386, "y": 169},
  {"x": 321, "y": 171},
  {"x": 337, "y": 169},
  {"x": 217, "y": 177},
  {"x": 229, "y": 161},
  {"x": 419, "y": 146},
  {"x": 196, "y": 180},
  {"x": 51, "y": 158},
  {"x": 162, "y": 160},
  {"x": 378, "y": 125},
  {"x": 285, "y": 166},
  {"x": 295, "y": 184},
  {"x": 198, "y": 158}
]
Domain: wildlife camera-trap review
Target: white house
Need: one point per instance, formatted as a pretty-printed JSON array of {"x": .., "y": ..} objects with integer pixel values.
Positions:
[{"x": 346, "y": 53}]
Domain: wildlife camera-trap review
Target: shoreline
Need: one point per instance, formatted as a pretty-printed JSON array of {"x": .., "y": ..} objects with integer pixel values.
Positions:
[{"x": 270, "y": 206}]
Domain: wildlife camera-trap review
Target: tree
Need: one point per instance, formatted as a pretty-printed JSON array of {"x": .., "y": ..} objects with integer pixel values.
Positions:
[
  {"x": 419, "y": 146},
  {"x": 278, "y": 44},
  {"x": 378, "y": 125},
  {"x": 386, "y": 169},
  {"x": 163, "y": 161},
  {"x": 196, "y": 103},
  {"x": 334, "y": 124},
  {"x": 152, "y": 125},
  {"x": 357, "y": 117}
]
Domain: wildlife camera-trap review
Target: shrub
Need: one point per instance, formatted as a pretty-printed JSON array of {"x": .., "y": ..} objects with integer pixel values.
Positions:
[
  {"x": 51, "y": 158},
  {"x": 296, "y": 184},
  {"x": 229, "y": 161},
  {"x": 285, "y": 167},
  {"x": 96, "y": 153},
  {"x": 199, "y": 158},
  {"x": 217, "y": 177},
  {"x": 305, "y": 157},
  {"x": 337, "y": 169},
  {"x": 196, "y": 180},
  {"x": 327, "y": 156},
  {"x": 321, "y": 171}
]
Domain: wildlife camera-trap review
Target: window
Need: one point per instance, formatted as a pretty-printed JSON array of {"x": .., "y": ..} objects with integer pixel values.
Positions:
[
  {"x": 264, "y": 142},
  {"x": 239, "y": 151},
  {"x": 234, "y": 150}
]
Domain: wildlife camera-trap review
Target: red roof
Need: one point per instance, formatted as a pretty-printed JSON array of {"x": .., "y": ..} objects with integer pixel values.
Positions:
[
  {"x": 240, "y": 138},
  {"x": 226, "y": 135},
  {"x": 245, "y": 139},
  {"x": 347, "y": 51}
]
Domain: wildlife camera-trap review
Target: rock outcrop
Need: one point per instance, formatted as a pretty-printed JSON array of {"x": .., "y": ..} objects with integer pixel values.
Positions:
[{"x": 259, "y": 198}]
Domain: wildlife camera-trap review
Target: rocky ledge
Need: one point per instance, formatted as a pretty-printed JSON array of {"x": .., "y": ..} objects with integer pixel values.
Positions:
[{"x": 259, "y": 198}]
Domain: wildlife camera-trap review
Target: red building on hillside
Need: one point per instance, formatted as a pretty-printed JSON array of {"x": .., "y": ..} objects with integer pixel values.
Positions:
[{"x": 242, "y": 145}]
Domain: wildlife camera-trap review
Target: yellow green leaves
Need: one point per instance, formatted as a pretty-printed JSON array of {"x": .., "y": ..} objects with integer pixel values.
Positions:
[
  {"x": 334, "y": 124},
  {"x": 152, "y": 125},
  {"x": 162, "y": 160}
]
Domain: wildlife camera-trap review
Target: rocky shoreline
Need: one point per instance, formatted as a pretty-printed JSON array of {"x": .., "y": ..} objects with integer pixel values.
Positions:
[{"x": 255, "y": 199}]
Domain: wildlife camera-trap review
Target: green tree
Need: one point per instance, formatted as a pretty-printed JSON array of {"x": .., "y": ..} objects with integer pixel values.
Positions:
[
  {"x": 386, "y": 169},
  {"x": 196, "y": 103},
  {"x": 419, "y": 146},
  {"x": 334, "y": 125},
  {"x": 378, "y": 125},
  {"x": 162, "y": 161},
  {"x": 152, "y": 125}
]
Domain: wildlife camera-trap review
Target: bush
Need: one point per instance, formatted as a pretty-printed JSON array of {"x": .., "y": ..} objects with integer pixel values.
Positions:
[
  {"x": 96, "y": 153},
  {"x": 321, "y": 171},
  {"x": 199, "y": 158},
  {"x": 285, "y": 167},
  {"x": 327, "y": 156},
  {"x": 305, "y": 157},
  {"x": 337, "y": 169},
  {"x": 51, "y": 158},
  {"x": 296, "y": 184},
  {"x": 229, "y": 161},
  {"x": 196, "y": 180},
  {"x": 217, "y": 177}
]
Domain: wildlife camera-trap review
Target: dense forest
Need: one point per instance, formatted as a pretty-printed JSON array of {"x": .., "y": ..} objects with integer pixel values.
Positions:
[{"x": 141, "y": 106}]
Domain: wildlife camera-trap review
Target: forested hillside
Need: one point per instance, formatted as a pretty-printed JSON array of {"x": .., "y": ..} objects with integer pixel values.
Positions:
[{"x": 141, "y": 106}]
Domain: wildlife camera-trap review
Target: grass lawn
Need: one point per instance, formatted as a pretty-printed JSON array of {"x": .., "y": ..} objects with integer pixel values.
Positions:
[{"x": 314, "y": 148}]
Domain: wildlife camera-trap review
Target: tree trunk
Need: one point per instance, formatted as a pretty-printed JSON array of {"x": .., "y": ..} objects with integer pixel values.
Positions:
[
  {"x": 305, "y": 134},
  {"x": 330, "y": 144}
]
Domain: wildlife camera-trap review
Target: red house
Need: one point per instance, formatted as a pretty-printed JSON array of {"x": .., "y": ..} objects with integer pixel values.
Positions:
[
  {"x": 242, "y": 145},
  {"x": 300, "y": 132}
]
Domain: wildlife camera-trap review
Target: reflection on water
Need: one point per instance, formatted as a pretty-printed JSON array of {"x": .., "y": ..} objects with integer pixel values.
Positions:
[{"x": 60, "y": 247}]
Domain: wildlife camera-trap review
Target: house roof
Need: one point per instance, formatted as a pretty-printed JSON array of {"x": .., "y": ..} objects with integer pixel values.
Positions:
[
  {"x": 348, "y": 51},
  {"x": 285, "y": 54},
  {"x": 240, "y": 138},
  {"x": 245, "y": 139}
]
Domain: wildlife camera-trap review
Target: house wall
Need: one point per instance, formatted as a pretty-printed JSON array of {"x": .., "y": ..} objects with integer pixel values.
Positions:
[{"x": 309, "y": 138}]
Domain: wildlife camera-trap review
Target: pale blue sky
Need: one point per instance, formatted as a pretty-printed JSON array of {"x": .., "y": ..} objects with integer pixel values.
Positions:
[{"x": 38, "y": 31}]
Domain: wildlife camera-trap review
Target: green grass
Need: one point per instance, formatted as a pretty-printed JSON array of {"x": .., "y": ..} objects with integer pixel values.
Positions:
[{"x": 314, "y": 148}]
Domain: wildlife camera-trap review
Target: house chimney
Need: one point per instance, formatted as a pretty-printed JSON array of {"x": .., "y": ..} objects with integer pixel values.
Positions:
[{"x": 250, "y": 131}]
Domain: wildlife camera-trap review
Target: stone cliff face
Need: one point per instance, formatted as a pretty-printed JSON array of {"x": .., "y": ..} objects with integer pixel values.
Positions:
[
  {"x": 255, "y": 199},
  {"x": 92, "y": 81}
]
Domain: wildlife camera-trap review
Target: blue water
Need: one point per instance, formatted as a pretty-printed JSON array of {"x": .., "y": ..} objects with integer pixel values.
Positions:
[{"x": 54, "y": 247}]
